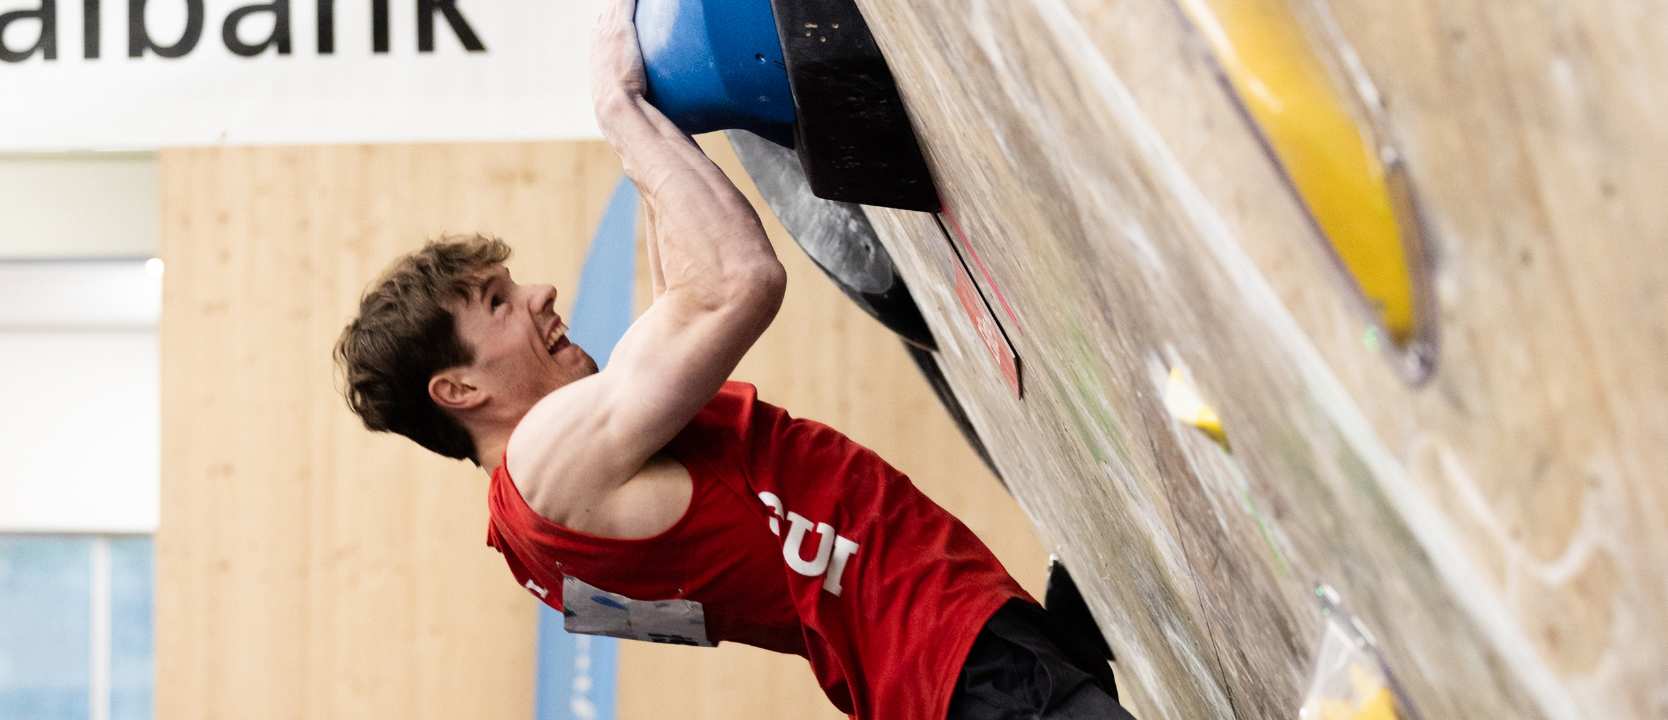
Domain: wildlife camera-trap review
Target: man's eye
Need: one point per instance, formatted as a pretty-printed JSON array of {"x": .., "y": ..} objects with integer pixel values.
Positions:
[{"x": 496, "y": 301}]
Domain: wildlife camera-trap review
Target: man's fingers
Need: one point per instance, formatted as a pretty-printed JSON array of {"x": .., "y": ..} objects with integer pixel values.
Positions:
[
  {"x": 616, "y": 63},
  {"x": 615, "y": 22},
  {"x": 617, "y": 11}
]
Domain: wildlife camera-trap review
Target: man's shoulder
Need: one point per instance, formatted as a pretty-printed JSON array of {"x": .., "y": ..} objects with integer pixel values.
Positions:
[
  {"x": 725, "y": 420},
  {"x": 558, "y": 451},
  {"x": 736, "y": 391}
]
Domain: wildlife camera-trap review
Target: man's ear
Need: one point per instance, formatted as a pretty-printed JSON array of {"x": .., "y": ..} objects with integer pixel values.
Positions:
[{"x": 451, "y": 390}]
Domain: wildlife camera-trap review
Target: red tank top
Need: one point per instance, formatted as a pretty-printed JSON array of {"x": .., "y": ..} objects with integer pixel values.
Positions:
[{"x": 796, "y": 540}]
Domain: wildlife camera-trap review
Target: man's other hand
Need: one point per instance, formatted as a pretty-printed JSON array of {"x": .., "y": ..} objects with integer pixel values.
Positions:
[{"x": 616, "y": 59}]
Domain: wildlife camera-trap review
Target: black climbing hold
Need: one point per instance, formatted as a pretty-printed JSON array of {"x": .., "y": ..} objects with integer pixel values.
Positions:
[
  {"x": 850, "y": 127},
  {"x": 1065, "y": 603},
  {"x": 836, "y": 235}
]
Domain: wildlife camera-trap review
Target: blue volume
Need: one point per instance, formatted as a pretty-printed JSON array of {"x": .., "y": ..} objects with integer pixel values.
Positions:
[{"x": 716, "y": 65}]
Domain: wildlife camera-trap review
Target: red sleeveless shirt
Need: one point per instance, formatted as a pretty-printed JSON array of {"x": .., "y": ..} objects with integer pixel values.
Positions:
[{"x": 796, "y": 540}]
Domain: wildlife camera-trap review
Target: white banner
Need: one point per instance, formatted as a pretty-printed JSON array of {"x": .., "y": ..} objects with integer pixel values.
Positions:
[{"x": 142, "y": 74}]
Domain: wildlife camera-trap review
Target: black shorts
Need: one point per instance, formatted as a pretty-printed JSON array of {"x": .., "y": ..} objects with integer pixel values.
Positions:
[{"x": 1024, "y": 666}]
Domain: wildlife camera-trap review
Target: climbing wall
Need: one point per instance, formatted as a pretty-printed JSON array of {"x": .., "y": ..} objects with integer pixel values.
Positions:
[{"x": 1500, "y": 530}]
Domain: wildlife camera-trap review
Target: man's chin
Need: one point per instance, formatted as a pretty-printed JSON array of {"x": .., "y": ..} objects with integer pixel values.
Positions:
[{"x": 584, "y": 363}]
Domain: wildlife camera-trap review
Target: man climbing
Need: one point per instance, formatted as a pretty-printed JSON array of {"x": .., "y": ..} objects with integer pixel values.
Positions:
[{"x": 657, "y": 501}]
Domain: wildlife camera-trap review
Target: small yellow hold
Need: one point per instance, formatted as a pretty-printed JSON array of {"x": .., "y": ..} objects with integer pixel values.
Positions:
[
  {"x": 1182, "y": 399},
  {"x": 1381, "y": 706},
  {"x": 1369, "y": 699},
  {"x": 1332, "y": 709}
]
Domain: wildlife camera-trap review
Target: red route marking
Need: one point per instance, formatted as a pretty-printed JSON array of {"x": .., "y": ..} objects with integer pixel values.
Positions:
[
  {"x": 978, "y": 310},
  {"x": 981, "y": 264},
  {"x": 997, "y": 343}
]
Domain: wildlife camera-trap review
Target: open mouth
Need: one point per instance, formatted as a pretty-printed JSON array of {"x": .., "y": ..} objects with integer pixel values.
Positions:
[{"x": 557, "y": 339}]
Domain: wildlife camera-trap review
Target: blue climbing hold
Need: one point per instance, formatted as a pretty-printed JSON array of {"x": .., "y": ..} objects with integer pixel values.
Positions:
[{"x": 715, "y": 65}]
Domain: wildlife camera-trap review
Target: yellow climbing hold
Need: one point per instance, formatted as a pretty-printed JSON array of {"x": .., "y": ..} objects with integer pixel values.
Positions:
[
  {"x": 1381, "y": 706},
  {"x": 1332, "y": 160},
  {"x": 1350, "y": 681},
  {"x": 1181, "y": 398}
]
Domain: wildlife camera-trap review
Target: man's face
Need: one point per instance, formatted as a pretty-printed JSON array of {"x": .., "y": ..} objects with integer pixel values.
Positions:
[{"x": 522, "y": 352}]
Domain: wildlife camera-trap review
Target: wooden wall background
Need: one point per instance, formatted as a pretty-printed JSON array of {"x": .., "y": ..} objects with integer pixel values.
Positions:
[{"x": 309, "y": 569}]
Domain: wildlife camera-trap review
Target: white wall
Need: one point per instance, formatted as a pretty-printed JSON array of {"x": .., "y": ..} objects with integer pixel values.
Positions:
[
  {"x": 80, "y": 409},
  {"x": 78, "y": 205},
  {"x": 80, "y": 420},
  {"x": 528, "y": 82}
]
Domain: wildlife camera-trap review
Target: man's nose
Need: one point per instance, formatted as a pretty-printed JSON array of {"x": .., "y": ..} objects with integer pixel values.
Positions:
[{"x": 544, "y": 297}]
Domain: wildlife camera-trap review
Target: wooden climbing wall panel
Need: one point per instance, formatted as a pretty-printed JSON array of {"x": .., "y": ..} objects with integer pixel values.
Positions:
[{"x": 1501, "y": 530}]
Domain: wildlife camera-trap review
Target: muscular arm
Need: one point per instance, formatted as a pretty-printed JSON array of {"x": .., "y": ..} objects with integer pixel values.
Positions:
[
  {"x": 579, "y": 456},
  {"x": 653, "y": 245}
]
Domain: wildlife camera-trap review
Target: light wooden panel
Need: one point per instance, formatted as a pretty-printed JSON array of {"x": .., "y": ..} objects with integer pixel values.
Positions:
[
  {"x": 1501, "y": 530},
  {"x": 305, "y": 567},
  {"x": 824, "y": 359}
]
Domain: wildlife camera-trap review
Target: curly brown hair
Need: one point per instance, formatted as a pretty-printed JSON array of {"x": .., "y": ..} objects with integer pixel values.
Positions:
[{"x": 404, "y": 334}]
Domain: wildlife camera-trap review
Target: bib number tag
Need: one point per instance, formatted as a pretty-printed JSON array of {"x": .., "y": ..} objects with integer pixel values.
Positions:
[{"x": 589, "y": 610}]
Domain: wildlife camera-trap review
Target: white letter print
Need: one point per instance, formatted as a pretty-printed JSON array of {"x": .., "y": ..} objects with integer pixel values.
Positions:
[
  {"x": 796, "y": 537},
  {"x": 843, "y": 550},
  {"x": 833, "y": 550},
  {"x": 775, "y": 504}
]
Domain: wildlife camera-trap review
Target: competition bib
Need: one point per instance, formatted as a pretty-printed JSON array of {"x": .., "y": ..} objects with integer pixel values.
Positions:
[{"x": 589, "y": 610}]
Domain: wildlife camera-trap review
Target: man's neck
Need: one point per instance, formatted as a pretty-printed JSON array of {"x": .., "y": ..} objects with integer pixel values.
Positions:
[
  {"x": 491, "y": 427},
  {"x": 489, "y": 448}
]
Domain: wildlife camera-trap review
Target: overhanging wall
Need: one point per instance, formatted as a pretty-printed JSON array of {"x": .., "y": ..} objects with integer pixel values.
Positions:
[{"x": 1501, "y": 530}]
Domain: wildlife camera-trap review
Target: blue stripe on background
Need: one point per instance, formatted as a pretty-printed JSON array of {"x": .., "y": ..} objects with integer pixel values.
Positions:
[
  {"x": 576, "y": 672},
  {"x": 602, "y": 307}
]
